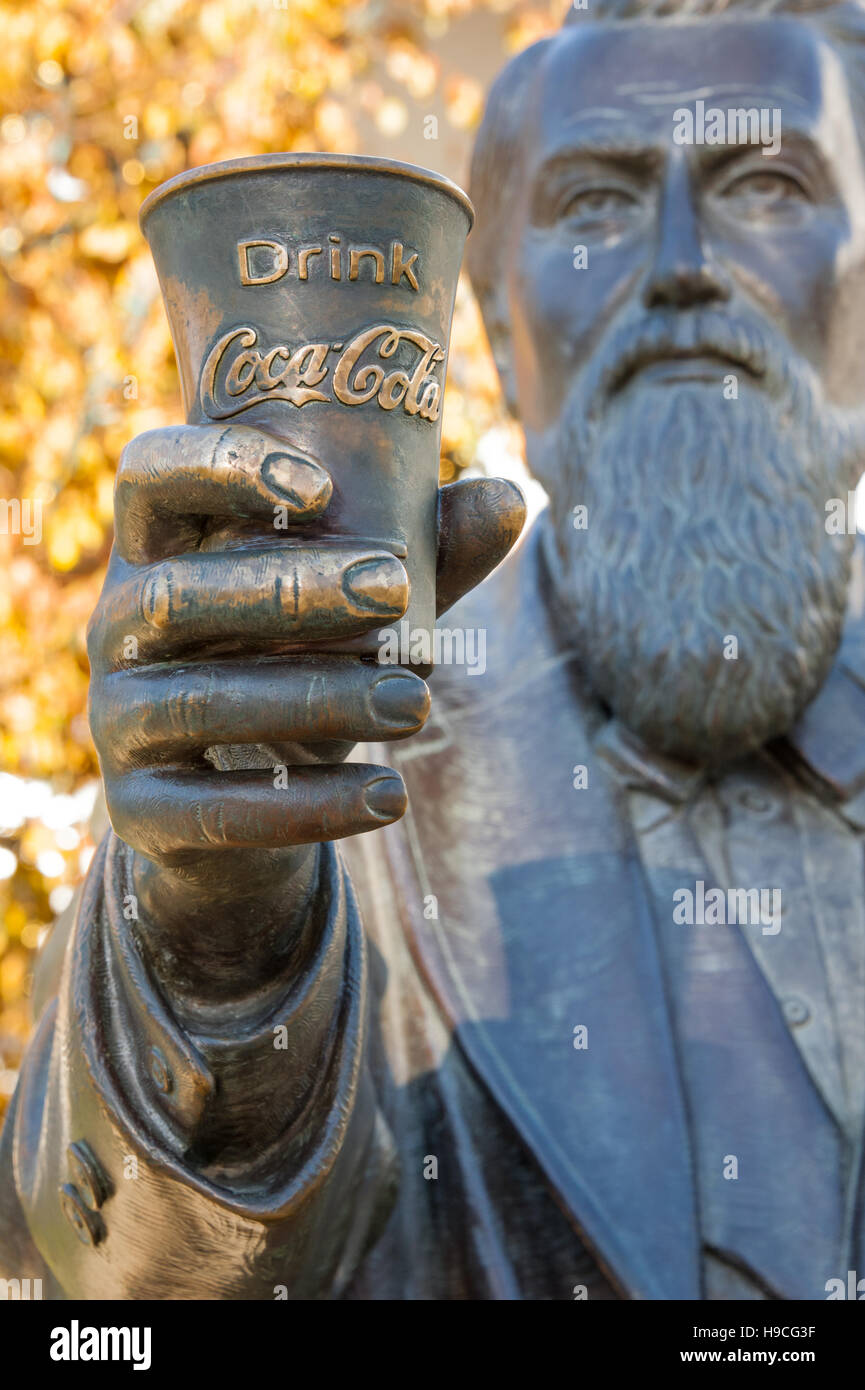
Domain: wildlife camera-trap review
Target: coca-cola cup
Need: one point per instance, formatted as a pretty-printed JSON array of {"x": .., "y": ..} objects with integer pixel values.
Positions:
[{"x": 311, "y": 295}]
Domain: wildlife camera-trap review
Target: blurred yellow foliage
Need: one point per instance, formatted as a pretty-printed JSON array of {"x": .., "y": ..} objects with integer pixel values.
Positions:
[{"x": 99, "y": 102}]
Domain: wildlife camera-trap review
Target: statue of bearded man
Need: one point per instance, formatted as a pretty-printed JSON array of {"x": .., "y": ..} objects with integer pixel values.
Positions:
[{"x": 587, "y": 1018}]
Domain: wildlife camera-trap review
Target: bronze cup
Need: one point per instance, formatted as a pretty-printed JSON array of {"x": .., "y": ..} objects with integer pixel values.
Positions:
[{"x": 311, "y": 295}]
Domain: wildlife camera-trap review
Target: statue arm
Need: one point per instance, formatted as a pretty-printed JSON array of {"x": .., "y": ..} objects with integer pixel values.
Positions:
[
  {"x": 197, "y": 1116},
  {"x": 243, "y": 1158}
]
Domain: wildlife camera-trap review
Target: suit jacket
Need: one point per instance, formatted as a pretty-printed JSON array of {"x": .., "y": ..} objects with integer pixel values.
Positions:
[{"x": 435, "y": 1128}]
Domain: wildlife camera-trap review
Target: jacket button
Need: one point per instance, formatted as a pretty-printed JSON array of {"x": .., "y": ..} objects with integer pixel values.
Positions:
[
  {"x": 796, "y": 1011},
  {"x": 160, "y": 1071},
  {"x": 88, "y": 1173},
  {"x": 757, "y": 802},
  {"x": 88, "y": 1225}
]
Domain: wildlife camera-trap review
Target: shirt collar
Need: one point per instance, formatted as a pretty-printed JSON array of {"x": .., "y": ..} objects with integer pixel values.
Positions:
[
  {"x": 825, "y": 750},
  {"x": 638, "y": 767}
]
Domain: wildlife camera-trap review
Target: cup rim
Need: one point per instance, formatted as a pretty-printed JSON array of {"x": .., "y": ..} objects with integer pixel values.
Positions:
[{"x": 302, "y": 159}]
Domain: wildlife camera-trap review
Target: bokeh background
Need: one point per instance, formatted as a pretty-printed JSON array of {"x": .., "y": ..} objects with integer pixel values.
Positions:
[{"x": 99, "y": 103}]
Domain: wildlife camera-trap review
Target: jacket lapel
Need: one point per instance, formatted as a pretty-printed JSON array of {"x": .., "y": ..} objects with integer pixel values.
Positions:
[{"x": 544, "y": 930}]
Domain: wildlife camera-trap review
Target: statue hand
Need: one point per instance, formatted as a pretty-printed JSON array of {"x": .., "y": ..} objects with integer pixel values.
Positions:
[{"x": 185, "y": 653}]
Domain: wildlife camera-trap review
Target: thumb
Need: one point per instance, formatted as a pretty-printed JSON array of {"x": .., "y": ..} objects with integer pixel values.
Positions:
[{"x": 479, "y": 521}]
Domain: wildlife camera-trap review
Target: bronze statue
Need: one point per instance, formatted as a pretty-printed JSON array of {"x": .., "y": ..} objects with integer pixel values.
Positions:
[{"x": 588, "y": 1018}]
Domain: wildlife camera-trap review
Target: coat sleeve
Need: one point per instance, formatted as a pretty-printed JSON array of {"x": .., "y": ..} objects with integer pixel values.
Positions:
[{"x": 150, "y": 1163}]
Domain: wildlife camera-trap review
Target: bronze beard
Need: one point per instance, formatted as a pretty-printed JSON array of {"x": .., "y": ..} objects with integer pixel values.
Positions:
[{"x": 706, "y": 520}]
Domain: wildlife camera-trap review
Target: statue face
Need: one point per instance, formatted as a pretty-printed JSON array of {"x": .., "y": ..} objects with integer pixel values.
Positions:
[
  {"x": 696, "y": 387},
  {"x": 674, "y": 225}
]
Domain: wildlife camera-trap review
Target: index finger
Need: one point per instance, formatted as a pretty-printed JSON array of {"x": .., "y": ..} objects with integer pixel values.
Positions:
[{"x": 170, "y": 481}]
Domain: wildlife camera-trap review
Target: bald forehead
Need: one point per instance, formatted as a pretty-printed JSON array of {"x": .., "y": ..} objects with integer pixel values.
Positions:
[{"x": 635, "y": 75}]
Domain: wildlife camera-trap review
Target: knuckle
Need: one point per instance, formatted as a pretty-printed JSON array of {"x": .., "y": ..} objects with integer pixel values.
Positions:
[
  {"x": 95, "y": 722},
  {"x": 242, "y": 440},
  {"x": 157, "y": 595},
  {"x": 144, "y": 447},
  {"x": 183, "y": 709},
  {"x": 108, "y": 711},
  {"x": 210, "y": 820},
  {"x": 147, "y": 810},
  {"x": 121, "y": 812},
  {"x": 287, "y": 595},
  {"x": 234, "y": 455}
]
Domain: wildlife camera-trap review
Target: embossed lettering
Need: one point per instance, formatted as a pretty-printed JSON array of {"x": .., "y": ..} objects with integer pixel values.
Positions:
[
  {"x": 238, "y": 373},
  {"x": 303, "y": 256},
  {"x": 400, "y": 267},
  {"x": 280, "y": 262},
  {"x": 262, "y": 261},
  {"x": 354, "y": 259}
]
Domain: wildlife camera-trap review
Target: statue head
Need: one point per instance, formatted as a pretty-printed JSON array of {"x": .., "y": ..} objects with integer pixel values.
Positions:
[{"x": 670, "y": 262}]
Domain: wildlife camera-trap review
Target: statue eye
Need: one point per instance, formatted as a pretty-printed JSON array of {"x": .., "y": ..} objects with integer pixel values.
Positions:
[
  {"x": 598, "y": 204},
  {"x": 765, "y": 189}
]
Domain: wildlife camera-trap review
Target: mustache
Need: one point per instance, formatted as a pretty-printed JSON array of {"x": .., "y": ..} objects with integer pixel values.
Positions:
[{"x": 746, "y": 344}]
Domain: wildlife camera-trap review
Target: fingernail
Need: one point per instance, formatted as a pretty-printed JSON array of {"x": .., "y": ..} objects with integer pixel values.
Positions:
[
  {"x": 400, "y": 702},
  {"x": 304, "y": 484},
  {"x": 385, "y": 797},
  {"x": 377, "y": 586}
]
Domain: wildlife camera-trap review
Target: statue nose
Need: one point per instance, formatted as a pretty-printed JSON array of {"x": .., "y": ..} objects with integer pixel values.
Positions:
[
  {"x": 682, "y": 273},
  {"x": 680, "y": 284}
]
